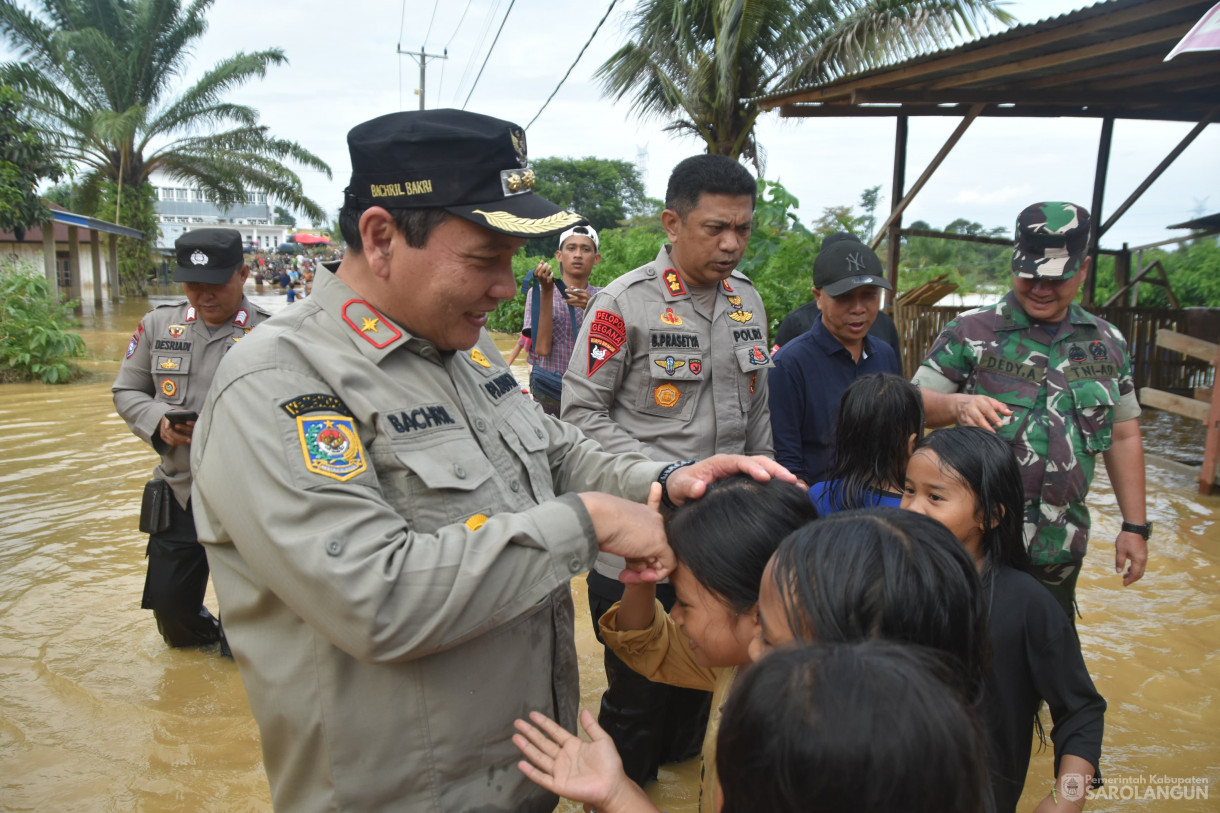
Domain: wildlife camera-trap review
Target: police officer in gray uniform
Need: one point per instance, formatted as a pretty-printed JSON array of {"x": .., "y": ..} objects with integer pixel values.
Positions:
[
  {"x": 672, "y": 361},
  {"x": 165, "y": 377},
  {"x": 393, "y": 558}
]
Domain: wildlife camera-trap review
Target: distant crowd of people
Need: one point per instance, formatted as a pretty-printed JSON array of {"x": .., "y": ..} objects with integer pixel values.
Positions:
[{"x": 790, "y": 575}]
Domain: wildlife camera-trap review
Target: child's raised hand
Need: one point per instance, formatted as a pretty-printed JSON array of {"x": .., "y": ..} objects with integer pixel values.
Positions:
[
  {"x": 566, "y": 765},
  {"x": 635, "y": 567}
]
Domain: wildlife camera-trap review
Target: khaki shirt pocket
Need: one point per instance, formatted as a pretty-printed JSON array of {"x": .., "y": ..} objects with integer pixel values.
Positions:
[
  {"x": 524, "y": 434},
  {"x": 674, "y": 385},
  {"x": 171, "y": 375},
  {"x": 750, "y": 360},
  {"x": 445, "y": 483}
]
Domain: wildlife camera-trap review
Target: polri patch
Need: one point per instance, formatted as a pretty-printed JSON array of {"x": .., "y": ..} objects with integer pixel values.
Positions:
[
  {"x": 331, "y": 446},
  {"x": 176, "y": 331},
  {"x": 169, "y": 388},
  {"x": 673, "y": 283},
  {"x": 671, "y": 318},
  {"x": 741, "y": 316},
  {"x": 133, "y": 344},
  {"x": 315, "y": 402},
  {"x": 757, "y": 356},
  {"x": 607, "y": 332}
]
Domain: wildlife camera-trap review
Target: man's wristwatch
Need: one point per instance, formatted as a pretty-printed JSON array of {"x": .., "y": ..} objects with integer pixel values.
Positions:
[
  {"x": 1143, "y": 530},
  {"x": 663, "y": 479}
]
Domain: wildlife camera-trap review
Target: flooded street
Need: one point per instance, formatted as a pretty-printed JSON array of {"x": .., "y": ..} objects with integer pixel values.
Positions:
[{"x": 98, "y": 715}]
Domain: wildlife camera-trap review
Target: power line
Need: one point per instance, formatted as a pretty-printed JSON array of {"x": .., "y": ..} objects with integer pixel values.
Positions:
[
  {"x": 569, "y": 73},
  {"x": 428, "y": 33},
  {"x": 488, "y": 21},
  {"x": 489, "y": 50},
  {"x": 456, "y": 29}
]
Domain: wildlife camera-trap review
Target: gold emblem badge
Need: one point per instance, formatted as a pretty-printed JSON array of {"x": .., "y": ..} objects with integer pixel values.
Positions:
[
  {"x": 735, "y": 301},
  {"x": 168, "y": 388},
  {"x": 368, "y": 324},
  {"x": 171, "y": 364},
  {"x": 476, "y": 522},
  {"x": 669, "y": 364},
  {"x": 741, "y": 316},
  {"x": 176, "y": 331},
  {"x": 478, "y": 358},
  {"x": 666, "y": 395},
  {"x": 671, "y": 318}
]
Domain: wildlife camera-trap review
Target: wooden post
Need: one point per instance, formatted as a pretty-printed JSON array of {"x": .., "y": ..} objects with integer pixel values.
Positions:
[
  {"x": 1122, "y": 272},
  {"x": 895, "y": 231},
  {"x": 49, "y": 260},
  {"x": 1099, "y": 192},
  {"x": 1211, "y": 447},
  {"x": 95, "y": 257},
  {"x": 112, "y": 270},
  {"x": 74, "y": 264}
]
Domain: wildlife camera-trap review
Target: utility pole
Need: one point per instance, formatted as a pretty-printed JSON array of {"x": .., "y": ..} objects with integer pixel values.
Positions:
[{"x": 422, "y": 58}]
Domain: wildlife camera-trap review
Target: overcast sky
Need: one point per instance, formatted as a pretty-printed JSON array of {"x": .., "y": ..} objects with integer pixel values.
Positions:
[{"x": 344, "y": 69}]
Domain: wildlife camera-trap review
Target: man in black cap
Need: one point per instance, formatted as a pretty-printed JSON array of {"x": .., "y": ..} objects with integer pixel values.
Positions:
[
  {"x": 813, "y": 370},
  {"x": 394, "y": 561},
  {"x": 165, "y": 376}
]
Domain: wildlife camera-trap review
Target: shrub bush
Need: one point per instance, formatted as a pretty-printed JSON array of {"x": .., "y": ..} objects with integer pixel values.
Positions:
[{"x": 35, "y": 344}]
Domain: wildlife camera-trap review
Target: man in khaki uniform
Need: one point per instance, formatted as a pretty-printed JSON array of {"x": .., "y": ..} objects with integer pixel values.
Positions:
[
  {"x": 170, "y": 362},
  {"x": 672, "y": 362},
  {"x": 391, "y": 522}
]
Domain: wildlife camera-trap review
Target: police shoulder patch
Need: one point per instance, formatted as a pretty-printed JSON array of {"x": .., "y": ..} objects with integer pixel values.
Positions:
[{"x": 331, "y": 446}]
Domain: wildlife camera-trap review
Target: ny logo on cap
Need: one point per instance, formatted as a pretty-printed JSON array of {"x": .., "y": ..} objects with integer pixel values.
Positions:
[
  {"x": 199, "y": 258},
  {"x": 855, "y": 263}
]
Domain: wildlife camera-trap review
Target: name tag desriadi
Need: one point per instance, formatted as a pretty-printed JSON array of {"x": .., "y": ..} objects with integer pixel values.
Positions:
[
  {"x": 1100, "y": 369},
  {"x": 994, "y": 363}
]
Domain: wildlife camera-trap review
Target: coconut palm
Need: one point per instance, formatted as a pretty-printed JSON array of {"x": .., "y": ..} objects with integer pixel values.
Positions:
[
  {"x": 101, "y": 80},
  {"x": 696, "y": 63}
]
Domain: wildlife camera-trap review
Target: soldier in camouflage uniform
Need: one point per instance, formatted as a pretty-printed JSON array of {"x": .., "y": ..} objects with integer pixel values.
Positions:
[{"x": 1055, "y": 382}]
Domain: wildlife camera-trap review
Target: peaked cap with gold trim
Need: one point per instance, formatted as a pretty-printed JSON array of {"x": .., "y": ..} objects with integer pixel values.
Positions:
[{"x": 471, "y": 165}]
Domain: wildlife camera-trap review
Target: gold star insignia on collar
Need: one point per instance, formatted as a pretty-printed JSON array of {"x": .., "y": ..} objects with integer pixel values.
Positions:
[{"x": 368, "y": 324}]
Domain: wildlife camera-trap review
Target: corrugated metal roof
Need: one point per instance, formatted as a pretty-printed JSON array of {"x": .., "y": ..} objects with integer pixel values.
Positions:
[{"x": 1103, "y": 60}]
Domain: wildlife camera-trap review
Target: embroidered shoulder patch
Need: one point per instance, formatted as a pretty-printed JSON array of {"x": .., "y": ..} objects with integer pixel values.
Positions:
[
  {"x": 607, "y": 333},
  {"x": 133, "y": 344},
  {"x": 666, "y": 395},
  {"x": 331, "y": 446}
]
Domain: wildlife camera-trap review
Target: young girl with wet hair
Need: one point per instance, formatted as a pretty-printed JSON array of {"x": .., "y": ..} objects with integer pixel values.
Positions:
[
  {"x": 866, "y": 727},
  {"x": 880, "y": 418},
  {"x": 877, "y": 573},
  {"x": 721, "y": 542},
  {"x": 968, "y": 479}
]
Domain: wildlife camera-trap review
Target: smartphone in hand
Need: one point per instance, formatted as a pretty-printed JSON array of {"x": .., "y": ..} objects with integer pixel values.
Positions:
[{"x": 178, "y": 417}]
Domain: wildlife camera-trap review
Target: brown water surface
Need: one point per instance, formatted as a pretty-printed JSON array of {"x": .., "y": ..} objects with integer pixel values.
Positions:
[{"x": 97, "y": 715}]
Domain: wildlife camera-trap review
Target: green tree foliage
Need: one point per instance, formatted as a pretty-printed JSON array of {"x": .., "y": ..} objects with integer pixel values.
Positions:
[
  {"x": 283, "y": 217},
  {"x": 1193, "y": 270},
  {"x": 35, "y": 344},
  {"x": 606, "y": 192},
  {"x": 972, "y": 266},
  {"x": 695, "y": 63},
  {"x": 100, "y": 77},
  {"x": 24, "y": 161}
]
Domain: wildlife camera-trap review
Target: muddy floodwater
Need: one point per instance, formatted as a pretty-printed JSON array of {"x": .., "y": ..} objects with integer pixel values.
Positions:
[{"x": 96, "y": 714}]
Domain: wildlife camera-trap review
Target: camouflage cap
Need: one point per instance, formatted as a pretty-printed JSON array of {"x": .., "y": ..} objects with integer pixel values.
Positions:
[{"x": 1052, "y": 239}]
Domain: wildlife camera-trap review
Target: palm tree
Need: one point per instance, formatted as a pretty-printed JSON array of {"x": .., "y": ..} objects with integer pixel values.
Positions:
[
  {"x": 100, "y": 78},
  {"x": 696, "y": 63}
]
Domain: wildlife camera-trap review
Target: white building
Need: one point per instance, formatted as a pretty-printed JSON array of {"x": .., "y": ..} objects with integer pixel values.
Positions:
[{"x": 181, "y": 208}]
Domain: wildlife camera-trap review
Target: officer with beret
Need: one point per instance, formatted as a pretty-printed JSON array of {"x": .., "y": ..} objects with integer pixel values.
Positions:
[
  {"x": 393, "y": 556},
  {"x": 1055, "y": 382},
  {"x": 170, "y": 362}
]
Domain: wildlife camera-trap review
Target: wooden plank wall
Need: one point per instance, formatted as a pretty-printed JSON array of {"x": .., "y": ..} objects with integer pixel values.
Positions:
[{"x": 919, "y": 325}]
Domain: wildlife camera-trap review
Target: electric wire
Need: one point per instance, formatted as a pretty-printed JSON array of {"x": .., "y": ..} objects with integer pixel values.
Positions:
[
  {"x": 578, "y": 56},
  {"x": 428, "y": 33},
  {"x": 489, "y": 52},
  {"x": 478, "y": 46},
  {"x": 456, "y": 29}
]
